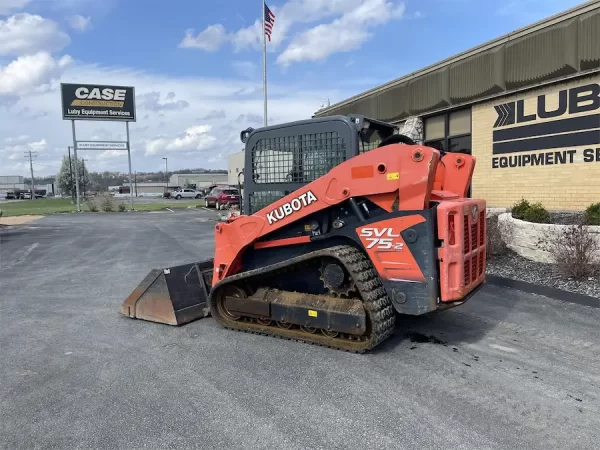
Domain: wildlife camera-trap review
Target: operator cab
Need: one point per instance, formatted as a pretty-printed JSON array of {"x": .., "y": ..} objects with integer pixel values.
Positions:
[{"x": 282, "y": 158}]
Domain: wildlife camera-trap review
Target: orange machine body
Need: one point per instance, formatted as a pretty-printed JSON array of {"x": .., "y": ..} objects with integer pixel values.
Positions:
[{"x": 421, "y": 200}]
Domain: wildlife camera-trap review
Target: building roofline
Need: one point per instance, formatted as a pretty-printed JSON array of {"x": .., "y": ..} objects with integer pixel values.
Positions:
[{"x": 519, "y": 33}]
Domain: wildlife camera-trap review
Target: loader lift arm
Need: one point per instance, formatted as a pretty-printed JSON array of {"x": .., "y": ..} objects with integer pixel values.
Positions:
[{"x": 395, "y": 173}]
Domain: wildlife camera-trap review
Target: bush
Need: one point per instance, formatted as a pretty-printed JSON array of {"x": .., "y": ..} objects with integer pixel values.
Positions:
[
  {"x": 92, "y": 207},
  {"x": 519, "y": 209},
  {"x": 576, "y": 252},
  {"x": 105, "y": 202},
  {"x": 592, "y": 214},
  {"x": 537, "y": 214},
  {"x": 534, "y": 213},
  {"x": 121, "y": 207}
]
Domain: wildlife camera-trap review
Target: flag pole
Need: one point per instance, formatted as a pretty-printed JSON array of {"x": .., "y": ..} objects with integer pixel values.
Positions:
[{"x": 264, "y": 35}]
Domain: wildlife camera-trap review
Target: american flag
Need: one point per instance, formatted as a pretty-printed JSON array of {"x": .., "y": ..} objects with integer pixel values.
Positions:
[{"x": 269, "y": 21}]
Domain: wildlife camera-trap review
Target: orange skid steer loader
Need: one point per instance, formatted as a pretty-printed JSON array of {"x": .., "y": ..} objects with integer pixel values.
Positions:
[{"x": 344, "y": 225}]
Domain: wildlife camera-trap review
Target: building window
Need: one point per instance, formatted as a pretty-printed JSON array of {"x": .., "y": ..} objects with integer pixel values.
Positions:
[{"x": 450, "y": 132}]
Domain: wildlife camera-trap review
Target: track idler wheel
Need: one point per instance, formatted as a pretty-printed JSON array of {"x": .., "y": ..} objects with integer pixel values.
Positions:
[{"x": 230, "y": 291}]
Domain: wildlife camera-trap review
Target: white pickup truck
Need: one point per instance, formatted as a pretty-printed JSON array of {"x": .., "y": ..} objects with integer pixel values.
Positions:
[{"x": 185, "y": 193}]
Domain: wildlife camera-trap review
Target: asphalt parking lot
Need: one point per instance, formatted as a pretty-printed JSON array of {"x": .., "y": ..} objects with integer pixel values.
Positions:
[{"x": 506, "y": 370}]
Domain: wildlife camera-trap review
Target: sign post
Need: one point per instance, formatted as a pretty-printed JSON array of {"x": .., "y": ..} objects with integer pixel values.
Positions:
[
  {"x": 129, "y": 158},
  {"x": 76, "y": 167},
  {"x": 99, "y": 102}
]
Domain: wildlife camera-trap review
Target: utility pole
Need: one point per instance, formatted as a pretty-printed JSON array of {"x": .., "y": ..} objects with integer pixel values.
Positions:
[{"x": 31, "y": 156}]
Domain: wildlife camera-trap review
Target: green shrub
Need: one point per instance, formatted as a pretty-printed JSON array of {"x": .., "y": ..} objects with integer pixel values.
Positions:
[
  {"x": 105, "y": 202},
  {"x": 519, "y": 209},
  {"x": 536, "y": 213},
  {"x": 92, "y": 207},
  {"x": 530, "y": 212},
  {"x": 592, "y": 214},
  {"x": 121, "y": 207}
]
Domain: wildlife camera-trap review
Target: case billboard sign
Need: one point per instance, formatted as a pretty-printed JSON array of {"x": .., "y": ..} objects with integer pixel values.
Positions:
[{"x": 98, "y": 102}]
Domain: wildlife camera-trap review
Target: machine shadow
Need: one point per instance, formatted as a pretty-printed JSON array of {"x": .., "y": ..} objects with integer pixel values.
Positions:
[{"x": 466, "y": 324}]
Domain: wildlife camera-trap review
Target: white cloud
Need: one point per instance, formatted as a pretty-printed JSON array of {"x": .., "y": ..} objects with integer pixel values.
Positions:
[
  {"x": 195, "y": 139},
  {"x": 21, "y": 138},
  {"x": 151, "y": 101},
  {"x": 80, "y": 23},
  {"x": 226, "y": 105},
  {"x": 110, "y": 154},
  {"x": 27, "y": 33},
  {"x": 214, "y": 114},
  {"x": 348, "y": 30},
  {"x": 210, "y": 40},
  {"x": 30, "y": 73},
  {"x": 7, "y": 6},
  {"x": 37, "y": 146},
  {"x": 291, "y": 13},
  {"x": 17, "y": 151},
  {"x": 341, "y": 35}
]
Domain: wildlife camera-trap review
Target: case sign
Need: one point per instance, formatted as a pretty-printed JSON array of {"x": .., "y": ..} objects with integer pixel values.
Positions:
[{"x": 98, "y": 102}]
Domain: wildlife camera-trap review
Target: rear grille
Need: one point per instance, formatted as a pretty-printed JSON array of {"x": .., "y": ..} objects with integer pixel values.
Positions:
[
  {"x": 474, "y": 239},
  {"x": 466, "y": 234}
]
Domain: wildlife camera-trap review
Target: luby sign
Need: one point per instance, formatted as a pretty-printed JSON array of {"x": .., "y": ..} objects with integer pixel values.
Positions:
[
  {"x": 532, "y": 135},
  {"x": 98, "y": 102}
]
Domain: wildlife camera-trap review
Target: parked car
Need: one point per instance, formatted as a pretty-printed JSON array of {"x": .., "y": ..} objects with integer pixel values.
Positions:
[
  {"x": 222, "y": 197},
  {"x": 185, "y": 193}
]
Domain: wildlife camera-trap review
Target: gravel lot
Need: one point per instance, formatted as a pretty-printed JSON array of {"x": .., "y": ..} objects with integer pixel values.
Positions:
[
  {"x": 506, "y": 370},
  {"x": 511, "y": 265}
]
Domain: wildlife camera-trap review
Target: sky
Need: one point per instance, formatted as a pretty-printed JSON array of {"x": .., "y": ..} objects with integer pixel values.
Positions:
[{"x": 196, "y": 66}]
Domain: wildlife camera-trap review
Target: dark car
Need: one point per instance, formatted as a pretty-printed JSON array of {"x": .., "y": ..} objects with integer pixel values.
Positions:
[{"x": 222, "y": 197}]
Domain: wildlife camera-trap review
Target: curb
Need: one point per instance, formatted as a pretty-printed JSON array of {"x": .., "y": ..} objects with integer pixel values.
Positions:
[{"x": 557, "y": 294}]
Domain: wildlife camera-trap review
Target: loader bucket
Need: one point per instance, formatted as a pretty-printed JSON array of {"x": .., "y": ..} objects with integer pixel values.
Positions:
[{"x": 173, "y": 295}]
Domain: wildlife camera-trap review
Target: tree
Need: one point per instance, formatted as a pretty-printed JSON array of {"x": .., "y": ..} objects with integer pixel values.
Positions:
[{"x": 66, "y": 176}]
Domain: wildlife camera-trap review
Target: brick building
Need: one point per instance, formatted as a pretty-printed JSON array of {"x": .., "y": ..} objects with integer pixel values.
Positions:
[{"x": 526, "y": 105}]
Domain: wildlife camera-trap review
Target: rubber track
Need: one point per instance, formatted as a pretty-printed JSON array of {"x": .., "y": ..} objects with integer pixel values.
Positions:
[{"x": 378, "y": 306}]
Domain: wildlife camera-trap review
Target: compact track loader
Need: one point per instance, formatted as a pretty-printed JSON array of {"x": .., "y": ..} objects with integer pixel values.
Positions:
[{"x": 344, "y": 224}]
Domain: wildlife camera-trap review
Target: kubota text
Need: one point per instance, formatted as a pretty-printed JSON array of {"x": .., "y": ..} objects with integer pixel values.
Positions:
[{"x": 288, "y": 208}]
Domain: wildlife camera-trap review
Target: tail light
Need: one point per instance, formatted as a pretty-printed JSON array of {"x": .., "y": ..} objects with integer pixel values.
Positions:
[{"x": 451, "y": 229}]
